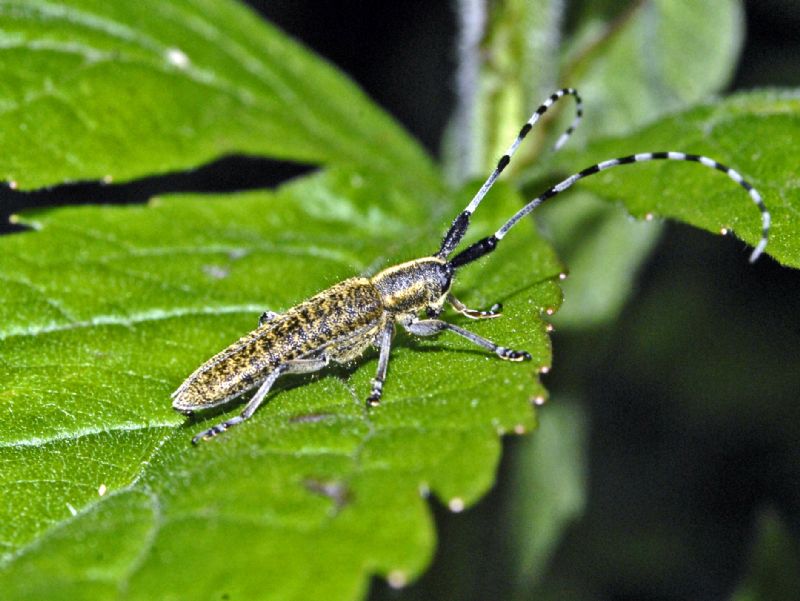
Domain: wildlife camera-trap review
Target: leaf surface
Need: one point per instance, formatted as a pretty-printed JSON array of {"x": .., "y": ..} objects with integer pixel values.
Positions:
[
  {"x": 752, "y": 132},
  {"x": 106, "y": 310},
  {"x": 119, "y": 90}
]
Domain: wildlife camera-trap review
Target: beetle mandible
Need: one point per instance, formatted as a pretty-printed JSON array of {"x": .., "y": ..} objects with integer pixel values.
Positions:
[{"x": 340, "y": 323}]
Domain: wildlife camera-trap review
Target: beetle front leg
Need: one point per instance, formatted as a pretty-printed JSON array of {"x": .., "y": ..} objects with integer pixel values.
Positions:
[
  {"x": 494, "y": 311},
  {"x": 385, "y": 343},
  {"x": 298, "y": 366},
  {"x": 266, "y": 316},
  {"x": 431, "y": 327}
]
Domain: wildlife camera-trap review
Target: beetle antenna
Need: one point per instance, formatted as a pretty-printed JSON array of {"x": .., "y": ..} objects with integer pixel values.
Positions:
[
  {"x": 461, "y": 223},
  {"x": 488, "y": 244}
]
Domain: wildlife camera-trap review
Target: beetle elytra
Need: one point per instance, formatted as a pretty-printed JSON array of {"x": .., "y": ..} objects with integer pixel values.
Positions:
[{"x": 340, "y": 323}]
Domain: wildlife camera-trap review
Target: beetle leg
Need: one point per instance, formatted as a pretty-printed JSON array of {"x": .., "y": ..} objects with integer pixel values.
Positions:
[
  {"x": 266, "y": 316},
  {"x": 385, "y": 342},
  {"x": 297, "y": 366},
  {"x": 494, "y": 311},
  {"x": 430, "y": 327}
]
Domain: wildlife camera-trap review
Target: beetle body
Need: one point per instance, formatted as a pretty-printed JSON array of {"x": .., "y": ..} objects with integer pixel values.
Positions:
[
  {"x": 340, "y": 323},
  {"x": 336, "y": 325}
]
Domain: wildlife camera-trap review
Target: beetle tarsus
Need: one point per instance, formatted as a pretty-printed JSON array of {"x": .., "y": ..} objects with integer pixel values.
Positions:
[
  {"x": 210, "y": 433},
  {"x": 512, "y": 355}
]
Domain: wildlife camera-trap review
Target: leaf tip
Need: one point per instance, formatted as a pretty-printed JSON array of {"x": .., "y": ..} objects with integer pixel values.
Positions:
[
  {"x": 456, "y": 504},
  {"x": 539, "y": 400},
  {"x": 397, "y": 579}
]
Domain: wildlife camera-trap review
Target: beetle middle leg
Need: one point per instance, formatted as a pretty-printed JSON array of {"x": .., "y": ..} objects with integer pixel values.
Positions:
[
  {"x": 385, "y": 343},
  {"x": 297, "y": 366},
  {"x": 431, "y": 327}
]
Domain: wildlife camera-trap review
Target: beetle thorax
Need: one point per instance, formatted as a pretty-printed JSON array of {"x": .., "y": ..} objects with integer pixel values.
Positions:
[{"x": 414, "y": 286}]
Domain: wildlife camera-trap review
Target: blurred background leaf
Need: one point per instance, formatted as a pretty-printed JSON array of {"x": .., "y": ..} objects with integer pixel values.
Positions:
[
  {"x": 672, "y": 54},
  {"x": 774, "y": 572},
  {"x": 119, "y": 90},
  {"x": 552, "y": 467}
]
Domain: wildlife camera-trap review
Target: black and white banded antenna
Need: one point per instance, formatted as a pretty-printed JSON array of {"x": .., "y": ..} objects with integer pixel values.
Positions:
[
  {"x": 488, "y": 244},
  {"x": 461, "y": 222}
]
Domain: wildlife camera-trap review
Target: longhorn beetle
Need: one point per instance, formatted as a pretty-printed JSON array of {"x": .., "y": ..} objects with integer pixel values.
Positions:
[{"x": 340, "y": 323}]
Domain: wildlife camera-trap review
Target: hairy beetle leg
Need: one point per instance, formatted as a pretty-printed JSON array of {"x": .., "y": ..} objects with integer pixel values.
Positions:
[
  {"x": 430, "y": 327},
  {"x": 297, "y": 366},
  {"x": 494, "y": 311},
  {"x": 385, "y": 344},
  {"x": 512, "y": 355},
  {"x": 266, "y": 316}
]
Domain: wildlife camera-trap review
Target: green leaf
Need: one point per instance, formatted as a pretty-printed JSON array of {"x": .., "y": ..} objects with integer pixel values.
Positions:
[
  {"x": 652, "y": 58},
  {"x": 105, "y": 310},
  {"x": 119, "y": 90},
  {"x": 494, "y": 96},
  {"x": 523, "y": 41},
  {"x": 753, "y": 132}
]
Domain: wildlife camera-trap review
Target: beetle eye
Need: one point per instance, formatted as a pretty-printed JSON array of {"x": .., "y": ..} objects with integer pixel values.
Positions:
[{"x": 446, "y": 276}]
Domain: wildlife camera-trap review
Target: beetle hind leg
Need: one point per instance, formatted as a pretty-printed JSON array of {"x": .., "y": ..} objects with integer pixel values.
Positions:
[{"x": 298, "y": 366}]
